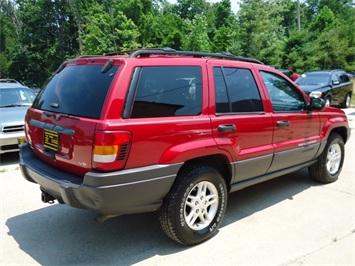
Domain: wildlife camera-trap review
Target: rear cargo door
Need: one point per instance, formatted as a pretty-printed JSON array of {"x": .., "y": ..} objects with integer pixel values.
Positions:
[{"x": 61, "y": 124}]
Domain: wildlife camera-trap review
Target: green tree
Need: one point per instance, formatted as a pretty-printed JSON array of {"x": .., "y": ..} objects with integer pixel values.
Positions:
[
  {"x": 223, "y": 14},
  {"x": 338, "y": 7},
  {"x": 189, "y": 9},
  {"x": 298, "y": 51},
  {"x": 261, "y": 31},
  {"x": 10, "y": 28},
  {"x": 97, "y": 36},
  {"x": 196, "y": 38},
  {"x": 126, "y": 33},
  {"x": 331, "y": 50},
  {"x": 222, "y": 40},
  {"x": 37, "y": 35},
  {"x": 324, "y": 21},
  {"x": 107, "y": 29},
  {"x": 47, "y": 38},
  {"x": 164, "y": 30}
]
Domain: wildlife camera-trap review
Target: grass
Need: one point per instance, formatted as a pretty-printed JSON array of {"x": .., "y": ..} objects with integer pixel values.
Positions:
[{"x": 352, "y": 103}]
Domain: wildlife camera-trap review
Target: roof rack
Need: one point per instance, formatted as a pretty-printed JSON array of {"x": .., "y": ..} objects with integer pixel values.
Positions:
[
  {"x": 170, "y": 51},
  {"x": 89, "y": 56},
  {"x": 124, "y": 52}
]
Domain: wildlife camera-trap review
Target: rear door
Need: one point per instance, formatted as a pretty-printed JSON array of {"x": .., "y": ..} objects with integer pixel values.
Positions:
[
  {"x": 61, "y": 124},
  {"x": 296, "y": 131},
  {"x": 239, "y": 122},
  {"x": 341, "y": 86}
]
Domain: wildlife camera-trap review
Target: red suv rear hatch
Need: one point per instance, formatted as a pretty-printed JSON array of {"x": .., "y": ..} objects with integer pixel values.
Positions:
[{"x": 60, "y": 126}]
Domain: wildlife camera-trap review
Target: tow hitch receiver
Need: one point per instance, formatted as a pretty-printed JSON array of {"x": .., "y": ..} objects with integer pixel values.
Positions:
[{"x": 47, "y": 198}]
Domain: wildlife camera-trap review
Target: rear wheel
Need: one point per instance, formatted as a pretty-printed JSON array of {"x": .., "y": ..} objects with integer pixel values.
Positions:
[
  {"x": 194, "y": 208},
  {"x": 330, "y": 163},
  {"x": 347, "y": 101}
]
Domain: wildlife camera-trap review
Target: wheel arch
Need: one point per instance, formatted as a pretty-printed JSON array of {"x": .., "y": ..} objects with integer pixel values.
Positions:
[
  {"x": 217, "y": 161},
  {"x": 342, "y": 131}
]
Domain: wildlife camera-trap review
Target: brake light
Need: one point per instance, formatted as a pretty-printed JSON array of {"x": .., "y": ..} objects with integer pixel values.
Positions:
[{"x": 110, "y": 150}]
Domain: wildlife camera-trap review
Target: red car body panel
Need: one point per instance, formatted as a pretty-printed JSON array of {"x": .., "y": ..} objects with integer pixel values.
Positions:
[{"x": 115, "y": 163}]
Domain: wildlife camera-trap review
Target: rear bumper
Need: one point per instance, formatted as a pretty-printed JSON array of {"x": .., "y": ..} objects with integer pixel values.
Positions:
[{"x": 114, "y": 193}]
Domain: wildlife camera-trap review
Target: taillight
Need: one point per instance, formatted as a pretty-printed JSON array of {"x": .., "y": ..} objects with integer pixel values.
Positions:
[{"x": 110, "y": 150}]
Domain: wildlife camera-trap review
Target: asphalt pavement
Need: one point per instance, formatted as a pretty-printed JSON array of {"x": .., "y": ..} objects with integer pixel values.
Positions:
[{"x": 290, "y": 220}]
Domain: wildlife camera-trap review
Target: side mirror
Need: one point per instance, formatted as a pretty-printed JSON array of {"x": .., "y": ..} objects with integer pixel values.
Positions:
[
  {"x": 336, "y": 82},
  {"x": 317, "y": 104}
]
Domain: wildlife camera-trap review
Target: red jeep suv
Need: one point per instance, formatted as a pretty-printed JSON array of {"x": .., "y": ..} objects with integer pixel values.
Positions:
[{"x": 173, "y": 132}]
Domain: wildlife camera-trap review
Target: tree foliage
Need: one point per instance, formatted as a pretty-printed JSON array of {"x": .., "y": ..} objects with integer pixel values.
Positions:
[{"x": 37, "y": 35}]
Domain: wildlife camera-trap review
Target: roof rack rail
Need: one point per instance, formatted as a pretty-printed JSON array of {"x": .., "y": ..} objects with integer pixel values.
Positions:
[
  {"x": 170, "y": 51},
  {"x": 124, "y": 52},
  {"x": 89, "y": 56}
]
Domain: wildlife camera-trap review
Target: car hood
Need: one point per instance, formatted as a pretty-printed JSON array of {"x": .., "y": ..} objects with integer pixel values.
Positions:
[
  {"x": 309, "y": 88},
  {"x": 12, "y": 116}
]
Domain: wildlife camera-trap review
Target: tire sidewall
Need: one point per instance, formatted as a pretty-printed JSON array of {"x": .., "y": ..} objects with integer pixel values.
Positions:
[
  {"x": 183, "y": 230},
  {"x": 347, "y": 100},
  {"x": 327, "y": 101},
  {"x": 335, "y": 140}
]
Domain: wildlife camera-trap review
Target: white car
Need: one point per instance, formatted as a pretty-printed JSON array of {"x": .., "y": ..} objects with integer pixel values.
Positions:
[{"x": 15, "y": 99}]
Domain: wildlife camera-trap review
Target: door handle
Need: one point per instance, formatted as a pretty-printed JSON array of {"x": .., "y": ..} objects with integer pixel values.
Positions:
[
  {"x": 283, "y": 123},
  {"x": 227, "y": 128}
]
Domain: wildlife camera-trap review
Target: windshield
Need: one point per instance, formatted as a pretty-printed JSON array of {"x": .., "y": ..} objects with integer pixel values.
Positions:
[
  {"x": 78, "y": 90},
  {"x": 14, "y": 97},
  {"x": 313, "y": 79}
]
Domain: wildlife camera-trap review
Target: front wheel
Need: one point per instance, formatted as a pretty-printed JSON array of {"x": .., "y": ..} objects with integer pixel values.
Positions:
[
  {"x": 330, "y": 162},
  {"x": 195, "y": 206},
  {"x": 327, "y": 101}
]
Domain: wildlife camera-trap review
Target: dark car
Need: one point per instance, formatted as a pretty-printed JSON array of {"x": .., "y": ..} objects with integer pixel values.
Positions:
[
  {"x": 173, "y": 132},
  {"x": 334, "y": 86}
]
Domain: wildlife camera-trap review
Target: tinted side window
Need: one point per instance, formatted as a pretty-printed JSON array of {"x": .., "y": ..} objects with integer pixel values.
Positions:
[
  {"x": 236, "y": 91},
  {"x": 344, "y": 78},
  {"x": 168, "y": 91},
  {"x": 284, "y": 97},
  {"x": 76, "y": 90}
]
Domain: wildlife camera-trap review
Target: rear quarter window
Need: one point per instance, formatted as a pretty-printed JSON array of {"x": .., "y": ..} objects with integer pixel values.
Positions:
[
  {"x": 76, "y": 90},
  {"x": 164, "y": 91}
]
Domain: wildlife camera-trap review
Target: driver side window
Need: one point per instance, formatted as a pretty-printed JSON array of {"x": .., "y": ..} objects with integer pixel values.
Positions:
[{"x": 284, "y": 97}]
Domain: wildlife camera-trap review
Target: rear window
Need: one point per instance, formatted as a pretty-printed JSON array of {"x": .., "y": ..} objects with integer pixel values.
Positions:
[
  {"x": 76, "y": 90},
  {"x": 236, "y": 91}
]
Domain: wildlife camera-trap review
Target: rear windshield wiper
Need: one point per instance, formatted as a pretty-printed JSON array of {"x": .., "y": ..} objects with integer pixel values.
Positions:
[
  {"x": 58, "y": 115},
  {"x": 107, "y": 66}
]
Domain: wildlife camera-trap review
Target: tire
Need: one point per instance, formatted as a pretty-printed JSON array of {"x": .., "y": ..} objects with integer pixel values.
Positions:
[
  {"x": 188, "y": 219},
  {"x": 327, "y": 101},
  {"x": 330, "y": 162},
  {"x": 347, "y": 101}
]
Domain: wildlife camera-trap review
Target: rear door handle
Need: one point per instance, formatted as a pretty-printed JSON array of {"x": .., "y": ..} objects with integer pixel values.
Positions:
[
  {"x": 283, "y": 123},
  {"x": 227, "y": 128}
]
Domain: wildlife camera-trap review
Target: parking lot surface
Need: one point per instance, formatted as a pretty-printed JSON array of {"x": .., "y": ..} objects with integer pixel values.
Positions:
[{"x": 290, "y": 220}]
